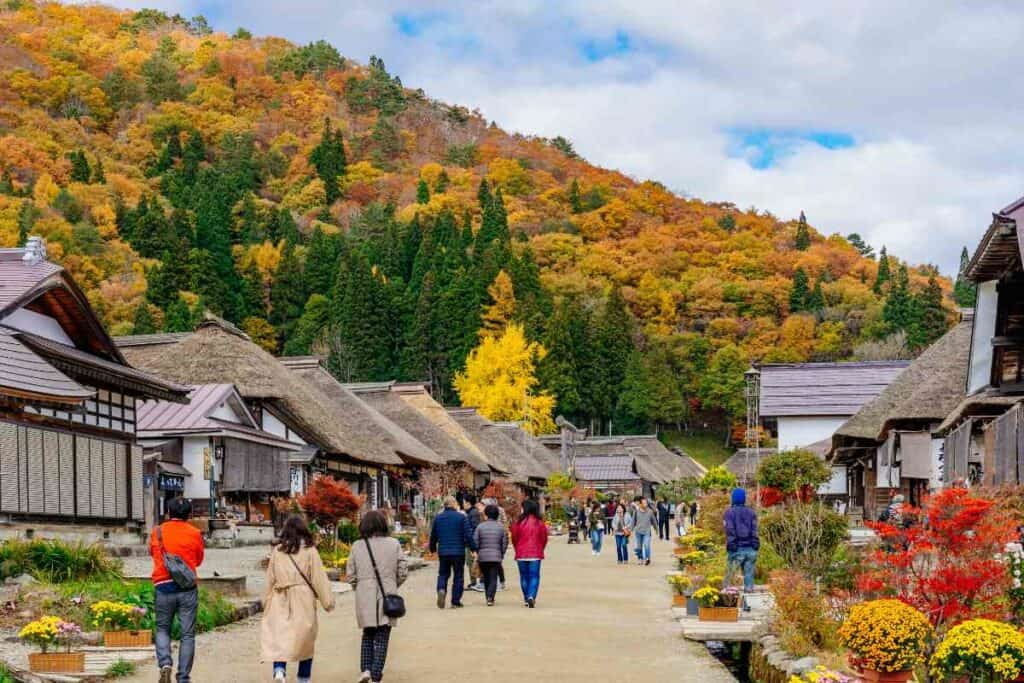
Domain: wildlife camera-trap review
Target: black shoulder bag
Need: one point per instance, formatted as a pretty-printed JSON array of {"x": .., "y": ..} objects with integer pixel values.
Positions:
[
  {"x": 304, "y": 577},
  {"x": 394, "y": 605}
]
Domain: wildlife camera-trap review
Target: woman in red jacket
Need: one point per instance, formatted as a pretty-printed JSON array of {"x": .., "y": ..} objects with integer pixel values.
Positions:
[{"x": 530, "y": 537}]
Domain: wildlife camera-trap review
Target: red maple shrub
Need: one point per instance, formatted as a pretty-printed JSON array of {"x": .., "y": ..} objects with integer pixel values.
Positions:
[
  {"x": 943, "y": 559},
  {"x": 328, "y": 501},
  {"x": 509, "y": 496}
]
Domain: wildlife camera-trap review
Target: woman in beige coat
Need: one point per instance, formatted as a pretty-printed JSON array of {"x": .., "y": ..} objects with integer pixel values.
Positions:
[
  {"x": 393, "y": 568},
  {"x": 296, "y": 582}
]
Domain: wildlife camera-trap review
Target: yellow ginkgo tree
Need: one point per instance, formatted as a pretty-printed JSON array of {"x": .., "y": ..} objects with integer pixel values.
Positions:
[{"x": 500, "y": 381}]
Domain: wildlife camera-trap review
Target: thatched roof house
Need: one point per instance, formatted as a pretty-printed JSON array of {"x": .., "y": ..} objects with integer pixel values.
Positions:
[
  {"x": 372, "y": 421},
  {"x": 411, "y": 408},
  {"x": 545, "y": 460},
  {"x": 500, "y": 448},
  {"x": 217, "y": 353}
]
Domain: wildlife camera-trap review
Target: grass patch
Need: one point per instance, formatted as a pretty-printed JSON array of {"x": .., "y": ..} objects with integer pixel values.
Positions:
[
  {"x": 120, "y": 669},
  {"x": 704, "y": 447},
  {"x": 5, "y": 675},
  {"x": 51, "y": 561}
]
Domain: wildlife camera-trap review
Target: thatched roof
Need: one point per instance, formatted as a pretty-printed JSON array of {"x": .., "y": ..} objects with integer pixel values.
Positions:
[
  {"x": 545, "y": 459},
  {"x": 978, "y": 405},
  {"x": 654, "y": 462},
  {"x": 498, "y": 446},
  {"x": 372, "y": 422},
  {"x": 448, "y": 441},
  {"x": 926, "y": 391},
  {"x": 737, "y": 462},
  {"x": 216, "y": 353}
]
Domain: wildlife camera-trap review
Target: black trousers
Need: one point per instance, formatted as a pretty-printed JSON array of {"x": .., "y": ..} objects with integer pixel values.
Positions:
[
  {"x": 663, "y": 525},
  {"x": 374, "y": 651},
  {"x": 490, "y": 571}
]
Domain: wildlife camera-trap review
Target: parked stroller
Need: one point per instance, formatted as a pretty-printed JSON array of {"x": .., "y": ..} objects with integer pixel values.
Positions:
[{"x": 574, "y": 531}]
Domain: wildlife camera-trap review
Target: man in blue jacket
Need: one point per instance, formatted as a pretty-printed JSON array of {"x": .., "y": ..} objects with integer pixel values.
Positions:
[
  {"x": 741, "y": 541},
  {"x": 449, "y": 537}
]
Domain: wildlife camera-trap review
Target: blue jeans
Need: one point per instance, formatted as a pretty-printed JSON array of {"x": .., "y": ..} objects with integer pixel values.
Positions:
[
  {"x": 529, "y": 578},
  {"x": 595, "y": 539},
  {"x": 643, "y": 546},
  {"x": 185, "y": 604},
  {"x": 447, "y": 566},
  {"x": 744, "y": 559},
  {"x": 622, "y": 547},
  {"x": 305, "y": 667}
]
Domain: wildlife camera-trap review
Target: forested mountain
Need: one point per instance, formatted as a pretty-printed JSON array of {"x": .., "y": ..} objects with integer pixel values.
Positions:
[{"x": 325, "y": 207}]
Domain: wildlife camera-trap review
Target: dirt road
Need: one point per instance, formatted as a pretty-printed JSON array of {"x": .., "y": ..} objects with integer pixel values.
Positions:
[{"x": 595, "y": 622}]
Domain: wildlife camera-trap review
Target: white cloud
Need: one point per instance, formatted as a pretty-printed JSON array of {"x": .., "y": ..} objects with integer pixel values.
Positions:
[{"x": 923, "y": 87}]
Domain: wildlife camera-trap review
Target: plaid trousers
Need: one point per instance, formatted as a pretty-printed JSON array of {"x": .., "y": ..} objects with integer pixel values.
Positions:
[{"x": 374, "y": 651}]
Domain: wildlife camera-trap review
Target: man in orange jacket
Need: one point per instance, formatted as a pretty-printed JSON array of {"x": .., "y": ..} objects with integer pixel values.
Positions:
[{"x": 184, "y": 540}]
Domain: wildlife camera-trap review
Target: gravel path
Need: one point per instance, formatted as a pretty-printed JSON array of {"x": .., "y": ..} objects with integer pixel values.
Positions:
[{"x": 595, "y": 621}]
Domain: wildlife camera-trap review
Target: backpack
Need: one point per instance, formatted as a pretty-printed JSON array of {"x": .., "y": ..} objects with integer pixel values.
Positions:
[{"x": 182, "y": 574}]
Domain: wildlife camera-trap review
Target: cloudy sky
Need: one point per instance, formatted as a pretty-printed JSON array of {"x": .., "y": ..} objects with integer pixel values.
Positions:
[{"x": 888, "y": 119}]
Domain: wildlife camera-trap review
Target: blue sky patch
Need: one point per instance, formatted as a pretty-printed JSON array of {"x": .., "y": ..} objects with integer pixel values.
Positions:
[
  {"x": 764, "y": 147},
  {"x": 597, "y": 49},
  {"x": 413, "y": 24}
]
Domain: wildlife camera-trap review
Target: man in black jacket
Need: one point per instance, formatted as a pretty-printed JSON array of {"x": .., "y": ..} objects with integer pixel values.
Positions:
[
  {"x": 450, "y": 538},
  {"x": 664, "y": 515},
  {"x": 474, "y": 515}
]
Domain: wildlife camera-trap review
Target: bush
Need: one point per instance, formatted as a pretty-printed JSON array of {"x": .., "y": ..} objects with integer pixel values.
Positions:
[
  {"x": 718, "y": 479},
  {"x": 678, "y": 490},
  {"x": 802, "y": 617},
  {"x": 979, "y": 650},
  {"x": 712, "y": 509},
  {"x": 805, "y": 535},
  {"x": 118, "y": 669},
  {"x": 885, "y": 635},
  {"x": 348, "y": 532},
  {"x": 56, "y": 561},
  {"x": 328, "y": 501},
  {"x": 792, "y": 471}
]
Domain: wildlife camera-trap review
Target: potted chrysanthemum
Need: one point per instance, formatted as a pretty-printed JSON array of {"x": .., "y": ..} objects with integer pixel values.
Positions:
[
  {"x": 51, "y": 635},
  {"x": 121, "y": 623},
  {"x": 886, "y": 639},
  {"x": 979, "y": 650}
]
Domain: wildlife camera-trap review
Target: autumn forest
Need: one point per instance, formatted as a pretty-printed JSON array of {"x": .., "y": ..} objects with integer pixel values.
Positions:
[{"x": 324, "y": 207}]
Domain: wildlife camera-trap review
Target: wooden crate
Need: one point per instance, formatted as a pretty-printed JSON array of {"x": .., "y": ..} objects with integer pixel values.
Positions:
[
  {"x": 57, "y": 662},
  {"x": 719, "y": 614},
  {"x": 142, "y": 638}
]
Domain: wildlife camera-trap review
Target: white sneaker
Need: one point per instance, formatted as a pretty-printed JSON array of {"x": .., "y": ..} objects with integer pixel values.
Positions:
[
  {"x": 364, "y": 677},
  {"x": 279, "y": 675},
  {"x": 501, "y": 586}
]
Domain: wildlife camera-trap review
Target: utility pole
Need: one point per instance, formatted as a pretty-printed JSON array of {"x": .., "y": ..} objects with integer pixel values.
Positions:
[{"x": 752, "y": 391}]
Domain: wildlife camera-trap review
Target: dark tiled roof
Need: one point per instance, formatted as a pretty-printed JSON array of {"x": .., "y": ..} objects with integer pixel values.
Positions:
[
  {"x": 24, "y": 374},
  {"x": 805, "y": 389},
  {"x": 606, "y": 468}
]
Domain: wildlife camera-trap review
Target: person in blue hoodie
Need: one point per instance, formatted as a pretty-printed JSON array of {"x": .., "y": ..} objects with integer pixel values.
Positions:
[
  {"x": 450, "y": 536},
  {"x": 741, "y": 541}
]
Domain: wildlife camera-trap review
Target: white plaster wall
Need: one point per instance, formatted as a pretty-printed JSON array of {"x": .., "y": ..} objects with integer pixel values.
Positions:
[
  {"x": 226, "y": 412},
  {"x": 277, "y": 428},
  {"x": 937, "y": 482},
  {"x": 38, "y": 324},
  {"x": 192, "y": 460},
  {"x": 980, "y": 371},
  {"x": 795, "y": 432},
  {"x": 837, "y": 485}
]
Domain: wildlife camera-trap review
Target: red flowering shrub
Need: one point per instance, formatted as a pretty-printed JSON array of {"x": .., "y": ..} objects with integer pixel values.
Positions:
[
  {"x": 329, "y": 501},
  {"x": 944, "y": 559},
  {"x": 508, "y": 495},
  {"x": 771, "y": 496}
]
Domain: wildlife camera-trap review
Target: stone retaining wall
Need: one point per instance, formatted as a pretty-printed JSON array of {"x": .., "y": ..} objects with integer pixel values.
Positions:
[{"x": 769, "y": 663}]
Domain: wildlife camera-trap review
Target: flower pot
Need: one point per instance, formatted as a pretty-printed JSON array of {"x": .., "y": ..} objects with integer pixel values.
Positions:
[
  {"x": 692, "y": 607},
  {"x": 719, "y": 613},
  {"x": 429, "y": 556},
  {"x": 57, "y": 662},
  {"x": 885, "y": 676},
  {"x": 678, "y": 600},
  {"x": 141, "y": 638}
]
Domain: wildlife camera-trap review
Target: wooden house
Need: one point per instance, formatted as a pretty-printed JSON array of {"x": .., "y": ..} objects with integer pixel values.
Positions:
[
  {"x": 610, "y": 474},
  {"x": 332, "y": 440},
  {"x": 984, "y": 433},
  {"x": 502, "y": 446},
  {"x": 892, "y": 444},
  {"x": 212, "y": 449},
  {"x": 68, "y": 402}
]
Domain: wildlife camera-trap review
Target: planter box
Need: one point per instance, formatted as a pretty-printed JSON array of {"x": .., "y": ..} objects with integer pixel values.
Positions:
[
  {"x": 885, "y": 676},
  {"x": 140, "y": 638},
  {"x": 679, "y": 601},
  {"x": 57, "y": 662},
  {"x": 719, "y": 614}
]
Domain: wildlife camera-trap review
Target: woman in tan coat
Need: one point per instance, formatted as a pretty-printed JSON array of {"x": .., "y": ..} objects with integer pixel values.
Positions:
[
  {"x": 296, "y": 582},
  {"x": 393, "y": 568}
]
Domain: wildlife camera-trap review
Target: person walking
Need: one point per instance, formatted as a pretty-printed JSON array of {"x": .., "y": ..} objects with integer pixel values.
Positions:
[
  {"x": 595, "y": 520},
  {"x": 609, "y": 513},
  {"x": 664, "y": 519},
  {"x": 491, "y": 544},
  {"x": 296, "y": 582},
  {"x": 682, "y": 512},
  {"x": 474, "y": 513},
  {"x": 530, "y": 537},
  {"x": 376, "y": 567},
  {"x": 741, "y": 540},
  {"x": 178, "y": 544},
  {"x": 621, "y": 527},
  {"x": 450, "y": 536},
  {"x": 643, "y": 527},
  {"x": 693, "y": 512}
]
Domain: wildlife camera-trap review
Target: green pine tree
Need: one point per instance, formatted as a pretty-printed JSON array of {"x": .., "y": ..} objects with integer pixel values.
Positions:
[
  {"x": 310, "y": 326},
  {"x": 287, "y": 292},
  {"x": 800, "y": 292},
  {"x": 144, "y": 323},
  {"x": 884, "y": 275},
  {"x": 803, "y": 234},
  {"x": 561, "y": 370},
  {"x": 860, "y": 245},
  {"x": 98, "y": 175},
  {"x": 167, "y": 279},
  {"x": 612, "y": 342},
  {"x": 816, "y": 299},
  {"x": 178, "y": 317},
  {"x": 28, "y": 214},
  {"x": 574, "y": 197},
  {"x": 213, "y": 202},
  {"x": 328, "y": 158},
  {"x": 422, "y": 192},
  {"x": 441, "y": 185},
  {"x": 964, "y": 291},
  {"x": 933, "y": 318},
  {"x": 6, "y": 183},
  {"x": 80, "y": 171},
  {"x": 322, "y": 262}
]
